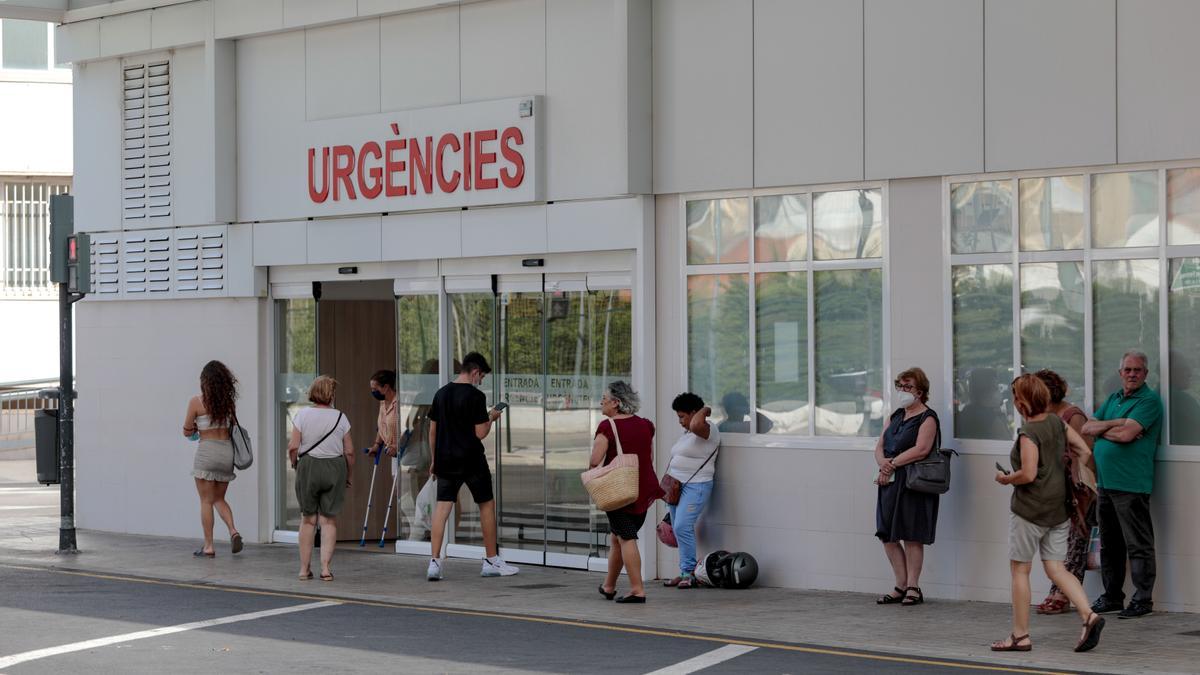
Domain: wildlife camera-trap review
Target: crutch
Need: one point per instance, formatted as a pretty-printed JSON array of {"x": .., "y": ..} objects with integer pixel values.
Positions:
[
  {"x": 395, "y": 483},
  {"x": 362, "y": 541}
]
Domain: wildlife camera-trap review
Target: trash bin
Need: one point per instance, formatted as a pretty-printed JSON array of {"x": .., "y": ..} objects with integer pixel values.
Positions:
[{"x": 45, "y": 432}]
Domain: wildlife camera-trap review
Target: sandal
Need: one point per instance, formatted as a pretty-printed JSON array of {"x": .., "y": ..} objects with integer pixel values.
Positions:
[
  {"x": 1014, "y": 644},
  {"x": 910, "y": 600},
  {"x": 686, "y": 582},
  {"x": 327, "y": 577},
  {"x": 607, "y": 595},
  {"x": 235, "y": 542},
  {"x": 672, "y": 583},
  {"x": 1052, "y": 605},
  {"x": 890, "y": 599},
  {"x": 1091, "y": 633},
  {"x": 201, "y": 553},
  {"x": 306, "y": 577}
]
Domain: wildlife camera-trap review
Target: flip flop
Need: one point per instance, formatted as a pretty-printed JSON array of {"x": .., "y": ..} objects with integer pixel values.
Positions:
[
  {"x": 607, "y": 595},
  {"x": 201, "y": 554},
  {"x": 1091, "y": 634},
  {"x": 327, "y": 577},
  {"x": 306, "y": 577},
  {"x": 236, "y": 542}
]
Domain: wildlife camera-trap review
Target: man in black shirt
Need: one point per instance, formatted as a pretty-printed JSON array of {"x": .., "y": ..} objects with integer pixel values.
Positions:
[{"x": 459, "y": 421}]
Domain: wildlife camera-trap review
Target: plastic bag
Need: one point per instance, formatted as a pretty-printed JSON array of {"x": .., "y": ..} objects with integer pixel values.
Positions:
[{"x": 424, "y": 504}]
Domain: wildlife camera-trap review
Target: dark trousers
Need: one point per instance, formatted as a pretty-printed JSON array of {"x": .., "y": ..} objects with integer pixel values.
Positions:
[{"x": 1126, "y": 531}]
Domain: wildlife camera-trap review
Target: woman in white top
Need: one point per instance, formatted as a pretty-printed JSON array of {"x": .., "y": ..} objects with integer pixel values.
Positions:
[
  {"x": 322, "y": 453},
  {"x": 693, "y": 463},
  {"x": 207, "y": 420}
]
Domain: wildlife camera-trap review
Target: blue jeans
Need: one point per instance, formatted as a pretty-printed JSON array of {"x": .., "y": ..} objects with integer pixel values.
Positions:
[{"x": 692, "y": 500}]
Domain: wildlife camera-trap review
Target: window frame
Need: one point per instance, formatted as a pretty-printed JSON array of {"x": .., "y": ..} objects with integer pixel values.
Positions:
[
  {"x": 51, "y": 73},
  {"x": 1163, "y": 253},
  {"x": 810, "y": 266}
]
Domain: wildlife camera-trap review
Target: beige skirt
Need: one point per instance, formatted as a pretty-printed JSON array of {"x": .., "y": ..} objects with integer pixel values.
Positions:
[{"x": 214, "y": 461}]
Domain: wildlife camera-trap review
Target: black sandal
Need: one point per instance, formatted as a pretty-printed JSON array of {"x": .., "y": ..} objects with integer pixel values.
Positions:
[
  {"x": 909, "y": 600},
  {"x": 890, "y": 599},
  {"x": 607, "y": 595}
]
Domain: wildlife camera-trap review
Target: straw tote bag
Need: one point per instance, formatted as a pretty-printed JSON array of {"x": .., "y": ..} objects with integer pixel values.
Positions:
[{"x": 613, "y": 485}]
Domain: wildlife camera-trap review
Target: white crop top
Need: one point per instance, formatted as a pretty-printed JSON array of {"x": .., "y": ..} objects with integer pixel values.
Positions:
[{"x": 204, "y": 423}]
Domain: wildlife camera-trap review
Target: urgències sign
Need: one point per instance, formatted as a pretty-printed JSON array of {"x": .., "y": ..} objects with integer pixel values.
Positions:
[{"x": 463, "y": 155}]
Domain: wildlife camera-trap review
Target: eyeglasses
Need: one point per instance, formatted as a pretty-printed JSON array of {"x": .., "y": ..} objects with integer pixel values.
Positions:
[{"x": 906, "y": 387}]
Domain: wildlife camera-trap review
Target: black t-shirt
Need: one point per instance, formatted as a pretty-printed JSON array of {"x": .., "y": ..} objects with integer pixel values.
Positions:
[{"x": 457, "y": 408}]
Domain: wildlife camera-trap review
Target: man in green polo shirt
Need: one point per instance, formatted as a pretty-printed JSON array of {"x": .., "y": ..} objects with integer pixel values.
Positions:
[{"x": 1127, "y": 428}]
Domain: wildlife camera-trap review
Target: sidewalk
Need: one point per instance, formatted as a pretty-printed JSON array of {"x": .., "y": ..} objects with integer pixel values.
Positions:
[{"x": 938, "y": 629}]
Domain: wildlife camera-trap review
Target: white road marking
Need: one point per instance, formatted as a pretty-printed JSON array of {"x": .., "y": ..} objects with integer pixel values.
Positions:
[
  {"x": 8, "y": 661},
  {"x": 701, "y": 662}
]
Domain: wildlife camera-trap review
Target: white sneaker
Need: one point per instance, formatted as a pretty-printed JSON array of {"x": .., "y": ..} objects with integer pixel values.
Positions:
[
  {"x": 496, "y": 567},
  {"x": 434, "y": 573}
]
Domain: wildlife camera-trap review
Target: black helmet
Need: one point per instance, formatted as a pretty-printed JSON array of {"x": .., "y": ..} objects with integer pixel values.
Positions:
[
  {"x": 709, "y": 571},
  {"x": 739, "y": 570}
]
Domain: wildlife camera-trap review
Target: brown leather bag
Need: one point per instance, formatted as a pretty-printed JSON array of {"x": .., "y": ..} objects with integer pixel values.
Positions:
[{"x": 671, "y": 485}]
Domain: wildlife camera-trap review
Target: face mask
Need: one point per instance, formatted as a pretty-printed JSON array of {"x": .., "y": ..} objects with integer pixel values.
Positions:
[
  {"x": 377, "y": 394},
  {"x": 905, "y": 399}
]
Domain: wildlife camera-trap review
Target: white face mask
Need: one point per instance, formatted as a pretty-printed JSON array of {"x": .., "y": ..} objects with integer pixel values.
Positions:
[{"x": 905, "y": 399}]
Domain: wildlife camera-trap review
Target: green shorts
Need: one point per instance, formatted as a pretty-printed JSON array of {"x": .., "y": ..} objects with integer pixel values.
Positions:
[{"x": 321, "y": 485}]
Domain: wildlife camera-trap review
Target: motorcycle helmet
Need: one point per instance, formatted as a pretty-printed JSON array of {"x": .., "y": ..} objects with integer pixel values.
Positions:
[
  {"x": 708, "y": 570},
  {"x": 739, "y": 570}
]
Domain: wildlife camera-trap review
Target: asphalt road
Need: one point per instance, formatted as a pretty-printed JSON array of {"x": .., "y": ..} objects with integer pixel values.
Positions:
[{"x": 45, "y": 615}]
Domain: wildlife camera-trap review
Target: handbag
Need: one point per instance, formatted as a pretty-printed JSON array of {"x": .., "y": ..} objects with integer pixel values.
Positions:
[
  {"x": 243, "y": 453},
  {"x": 614, "y": 485},
  {"x": 931, "y": 475},
  {"x": 666, "y": 532},
  {"x": 671, "y": 485}
]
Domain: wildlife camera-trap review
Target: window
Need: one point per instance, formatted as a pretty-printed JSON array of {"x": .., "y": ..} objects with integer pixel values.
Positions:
[
  {"x": 25, "y": 235},
  {"x": 27, "y": 46},
  {"x": 785, "y": 311},
  {"x": 1086, "y": 266}
]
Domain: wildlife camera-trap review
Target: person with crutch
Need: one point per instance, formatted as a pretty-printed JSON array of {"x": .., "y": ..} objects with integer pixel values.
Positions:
[
  {"x": 459, "y": 421},
  {"x": 383, "y": 389}
]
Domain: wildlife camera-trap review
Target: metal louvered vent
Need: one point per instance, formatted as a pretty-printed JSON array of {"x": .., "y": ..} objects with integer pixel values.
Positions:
[
  {"x": 147, "y": 257},
  {"x": 200, "y": 261},
  {"x": 106, "y": 264},
  {"x": 146, "y": 153}
]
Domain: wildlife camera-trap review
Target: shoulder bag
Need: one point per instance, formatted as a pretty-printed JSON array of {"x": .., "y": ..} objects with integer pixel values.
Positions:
[
  {"x": 931, "y": 475},
  {"x": 614, "y": 485},
  {"x": 314, "y": 445},
  {"x": 671, "y": 485},
  {"x": 243, "y": 454}
]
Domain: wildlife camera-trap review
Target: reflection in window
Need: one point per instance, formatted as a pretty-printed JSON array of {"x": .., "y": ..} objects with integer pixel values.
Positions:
[
  {"x": 847, "y": 224},
  {"x": 417, "y": 381},
  {"x": 781, "y": 325},
  {"x": 718, "y": 337},
  {"x": 1052, "y": 303},
  {"x": 848, "y": 322},
  {"x": 983, "y": 350},
  {"x": 1125, "y": 300},
  {"x": 26, "y": 44},
  {"x": 1125, "y": 209},
  {"x": 780, "y": 228},
  {"x": 1183, "y": 206},
  {"x": 296, "y": 368},
  {"x": 718, "y": 231},
  {"x": 1184, "y": 306},
  {"x": 981, "y": 217},
  {"x": 1051, "y": 213}
]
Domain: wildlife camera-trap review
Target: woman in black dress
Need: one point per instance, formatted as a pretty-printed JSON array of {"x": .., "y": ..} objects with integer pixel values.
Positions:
[{"x": 906, "y": 521}]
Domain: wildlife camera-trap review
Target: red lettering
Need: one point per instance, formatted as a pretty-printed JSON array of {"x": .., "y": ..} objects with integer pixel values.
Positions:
[
  {"x": 318, "y": 196},
  {"x": 483, "y": 159},
  {"x": 467, "y": 161},
  {"x": 447, "y": 185},
  {"x": 342, "y": 171},
  {"x": 392, "y": 167},
  {"x": 370, "y": 189},
  {"x": 420, "y": 165},
  {"x": 512, "y": 135}
]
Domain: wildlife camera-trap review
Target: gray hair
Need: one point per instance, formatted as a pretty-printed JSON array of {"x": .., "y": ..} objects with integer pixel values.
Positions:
[
  {"x": 1137, "y": 354},
  {"x": 627, "y": 399}
]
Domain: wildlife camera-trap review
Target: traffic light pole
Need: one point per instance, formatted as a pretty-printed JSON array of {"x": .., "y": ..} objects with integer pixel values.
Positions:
[{"x": 66, "y": 423}]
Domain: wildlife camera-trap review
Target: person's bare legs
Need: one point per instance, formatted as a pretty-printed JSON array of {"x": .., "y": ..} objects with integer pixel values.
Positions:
[
  {"x": 615, "y": 561},
  {"x": 914, "y": 556},
  {"x": 308, "y": 532},
  {"x": 895, "y": 555},
  {"x": 205, "y": 489},
  {"x": 328, "y": 543},
  {"x": 1069, "y": 586},
  {"x": 441, "y": 513},
  {"x": 633, "y": 566},
  {"x": 487, "y": 522},
  {"x": 1020, "y": 601},
  {"x": 222, "y": 506}
]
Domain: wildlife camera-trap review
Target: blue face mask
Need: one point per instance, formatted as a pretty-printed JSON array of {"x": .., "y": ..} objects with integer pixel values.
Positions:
[{"x": 377, "y": 394}]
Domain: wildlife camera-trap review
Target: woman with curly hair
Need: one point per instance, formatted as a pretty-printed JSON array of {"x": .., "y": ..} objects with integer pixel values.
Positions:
[{"x": 208, "y": 419}]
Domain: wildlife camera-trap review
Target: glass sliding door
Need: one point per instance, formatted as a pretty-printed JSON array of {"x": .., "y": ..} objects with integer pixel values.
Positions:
[
  {"x": 296, "y": 368},
  {"x": 417, "y": 379},
  {"x": 472, "y": 328}
]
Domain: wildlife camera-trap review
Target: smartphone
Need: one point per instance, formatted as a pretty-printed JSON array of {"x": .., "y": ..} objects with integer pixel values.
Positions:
[
  {"x": 500, "y": 406},
  {"x": 1002, "y": 469}
]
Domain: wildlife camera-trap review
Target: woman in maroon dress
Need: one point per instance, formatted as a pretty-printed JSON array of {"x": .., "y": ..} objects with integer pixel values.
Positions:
[{"x": 636, "y": 434}]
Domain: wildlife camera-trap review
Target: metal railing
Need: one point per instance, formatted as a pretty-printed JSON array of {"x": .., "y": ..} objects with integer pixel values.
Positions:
[
  {"x": 25, "y": 235},
  {"x": 19, "y": 402}
]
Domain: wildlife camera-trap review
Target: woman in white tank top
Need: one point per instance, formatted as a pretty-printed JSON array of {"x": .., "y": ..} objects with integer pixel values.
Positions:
[{"x": 207, "y": 420}]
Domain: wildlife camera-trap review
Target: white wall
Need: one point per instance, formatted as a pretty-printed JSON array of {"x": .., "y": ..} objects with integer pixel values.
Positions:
[
  {"x": 138, "y": 364},
  {"x": 31, "y": 352},
  {"x": 35, "y": 128}
]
